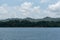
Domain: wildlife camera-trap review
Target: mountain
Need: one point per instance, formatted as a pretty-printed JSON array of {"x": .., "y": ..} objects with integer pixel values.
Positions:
[
  {"x": 43, "y": 19},
  {"x": 30, "y": 22},
  {"x": 33, "y": 20},
  {"x": 50, "y": 19}
]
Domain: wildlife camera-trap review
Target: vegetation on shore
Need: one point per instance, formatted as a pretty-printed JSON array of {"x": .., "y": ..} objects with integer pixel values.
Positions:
[{"x": 28, "y": 23}]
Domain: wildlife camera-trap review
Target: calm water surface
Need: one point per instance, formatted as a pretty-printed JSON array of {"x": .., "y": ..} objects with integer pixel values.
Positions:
[{"x": 29, "y": 33}]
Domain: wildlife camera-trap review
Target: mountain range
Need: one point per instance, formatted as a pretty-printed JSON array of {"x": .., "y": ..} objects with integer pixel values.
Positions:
[{"x": 33, "y": 20}]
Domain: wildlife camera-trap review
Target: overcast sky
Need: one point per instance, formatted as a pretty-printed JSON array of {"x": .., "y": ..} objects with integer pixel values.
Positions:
[{"x": 29, "y": 8}]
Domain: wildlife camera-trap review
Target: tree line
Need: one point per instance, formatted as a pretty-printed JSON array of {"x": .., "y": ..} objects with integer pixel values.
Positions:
[{"x": 27, "y": 23}]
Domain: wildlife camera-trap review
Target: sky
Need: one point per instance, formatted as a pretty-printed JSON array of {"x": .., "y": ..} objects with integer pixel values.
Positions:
[{"x": 29, "y": 8}]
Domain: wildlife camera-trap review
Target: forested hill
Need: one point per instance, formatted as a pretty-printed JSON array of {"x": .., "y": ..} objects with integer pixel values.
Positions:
[{"x": 30, "y": 22}]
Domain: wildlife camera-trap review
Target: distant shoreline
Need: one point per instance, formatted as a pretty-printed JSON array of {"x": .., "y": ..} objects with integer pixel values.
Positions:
[{"x": 29, "y": 22}]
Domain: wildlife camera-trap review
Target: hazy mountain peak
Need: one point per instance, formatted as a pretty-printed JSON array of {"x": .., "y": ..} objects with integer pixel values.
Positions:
[
  {"x": 28, "y": 18},
  {"x": 47, "y": 17}
]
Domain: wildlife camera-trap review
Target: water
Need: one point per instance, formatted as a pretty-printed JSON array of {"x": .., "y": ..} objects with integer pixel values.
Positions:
[{"x": 29, "y": 33}]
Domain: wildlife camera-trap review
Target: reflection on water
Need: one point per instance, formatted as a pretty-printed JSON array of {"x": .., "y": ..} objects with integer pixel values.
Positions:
[{"x": 29, "y": 33}]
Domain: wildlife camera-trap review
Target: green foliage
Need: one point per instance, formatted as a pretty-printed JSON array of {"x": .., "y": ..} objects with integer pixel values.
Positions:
[{"x": 27, "y": 23}]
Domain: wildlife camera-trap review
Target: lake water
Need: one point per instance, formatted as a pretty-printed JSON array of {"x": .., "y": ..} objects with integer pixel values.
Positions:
[{"x": 29, "y": 33}]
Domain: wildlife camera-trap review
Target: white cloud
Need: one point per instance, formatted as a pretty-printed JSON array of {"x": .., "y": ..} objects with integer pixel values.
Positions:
[
  {"x": 3, "y": 10},
  {"x": 26, "y": 9},
  {"x": 26, "y": 5},
  {"x": 36, "y": 9},
  {"x": 54, "y": 10},
  {"x": 55, "y": 7}
]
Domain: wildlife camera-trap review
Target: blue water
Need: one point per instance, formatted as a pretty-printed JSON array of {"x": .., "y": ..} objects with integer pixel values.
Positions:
[{"x": 29, "y": 33}]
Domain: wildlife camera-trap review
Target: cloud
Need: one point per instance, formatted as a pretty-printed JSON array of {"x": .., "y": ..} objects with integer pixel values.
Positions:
[
  {"x": 44, "y": 1},
  {"x": 26, "y": 9},
  {"x": 36, "y": 9},
  {"x": 54, "y": 10},
  {"x": 55, "y": 7},
  {"x": 3, "y": 10}
]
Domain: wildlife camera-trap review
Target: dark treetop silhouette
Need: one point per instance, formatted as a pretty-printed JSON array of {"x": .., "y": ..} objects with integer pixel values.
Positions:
[{"x": 30, "y": 22}]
